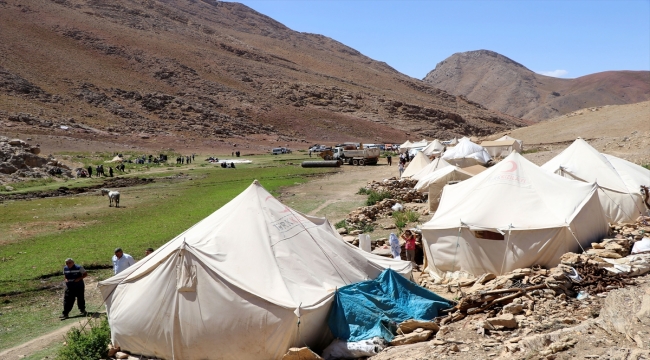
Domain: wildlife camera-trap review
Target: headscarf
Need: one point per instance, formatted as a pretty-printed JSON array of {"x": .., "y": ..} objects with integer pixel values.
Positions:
[{"x": 395, "y": 249}]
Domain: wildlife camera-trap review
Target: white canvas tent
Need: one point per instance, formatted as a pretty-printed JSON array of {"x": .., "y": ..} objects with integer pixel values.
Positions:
[
  {"x": 434, "y": 148},
  {"x": 436, "y": 164},
  {"x": 237, "y": 284},
  {"x": 501, "y": 148},
  {"x": 619, "y": 180},
  {"x": 513, "y": 215},
  {"x": 405, "y": 146},
  {"x": 436, "y": 181},
  {"x": 466, "y": 153},
  {"x": 444, "y": 174},
  {"x": 418, "y": 162},
  {"x": 506, "y": 138}
]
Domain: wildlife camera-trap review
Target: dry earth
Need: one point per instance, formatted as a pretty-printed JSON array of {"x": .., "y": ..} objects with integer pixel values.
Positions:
[
  {"x": 619, "y": 130},
  {"x": 501, "y": 84},
  {"x": 206, "y": 73}
]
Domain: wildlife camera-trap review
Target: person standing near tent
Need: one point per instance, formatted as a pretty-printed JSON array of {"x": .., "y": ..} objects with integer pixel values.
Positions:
[
  {"x": 389, "y": 159},
  {"x": 74, "y": 288},
  {"x": 400, "y": 167},
  {"x": 90, "y": 171},
  {"x": 410, "y": 245},
  {"x": 395, "y": 248},
  {"x": 121, "y": 261}
]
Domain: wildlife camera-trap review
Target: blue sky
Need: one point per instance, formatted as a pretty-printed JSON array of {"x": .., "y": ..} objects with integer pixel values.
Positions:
[{"x": 558, "y": 38}]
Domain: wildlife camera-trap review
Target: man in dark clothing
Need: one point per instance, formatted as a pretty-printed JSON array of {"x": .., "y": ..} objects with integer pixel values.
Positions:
[
  {"x": 110, "y": 171},
  {"x": 90, "y": 171},
  {"x": 389, "y": 159},
  {"x": 74, "y": 288}
]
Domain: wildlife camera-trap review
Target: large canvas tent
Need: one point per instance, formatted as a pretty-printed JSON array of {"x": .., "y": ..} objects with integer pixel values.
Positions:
[
  {"x": 417, "y": 164},
  {"x": 506, "y": 138},
  {"x": 619, "y": 180},
  {"x": 249, "y": 281},
  {"x": 436, "y": 181},
  {"x": 436, "y": 164},
  {"x": 405, "y": 146},
  {"x": 466, "y": 153},
  {"x": 513, "y": 215},
  {"x": 434, "y": 148},
  {"x": 501, "y": 148}
]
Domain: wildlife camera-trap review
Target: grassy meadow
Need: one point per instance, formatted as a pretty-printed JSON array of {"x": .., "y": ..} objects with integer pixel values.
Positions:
[{"x": 37, "y": 235}]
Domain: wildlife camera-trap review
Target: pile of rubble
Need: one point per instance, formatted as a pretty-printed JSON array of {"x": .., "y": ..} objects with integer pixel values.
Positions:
[
  {"x": 365, "y": 215},
  {"x": 401, "y": 190},
  {"x": 18, "y": 160}
]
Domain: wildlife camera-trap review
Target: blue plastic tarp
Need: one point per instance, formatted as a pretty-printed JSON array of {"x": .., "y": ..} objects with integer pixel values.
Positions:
[{"x": 374, "y": 308}]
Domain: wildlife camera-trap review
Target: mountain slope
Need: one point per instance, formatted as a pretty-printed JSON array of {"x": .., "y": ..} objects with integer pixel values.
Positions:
[
  {"x": 504, "y": 85},
  {"x": 193, "y": 71}
]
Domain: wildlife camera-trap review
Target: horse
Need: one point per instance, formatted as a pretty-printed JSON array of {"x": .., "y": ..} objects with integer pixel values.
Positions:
[{"x": 113, "y": 196}]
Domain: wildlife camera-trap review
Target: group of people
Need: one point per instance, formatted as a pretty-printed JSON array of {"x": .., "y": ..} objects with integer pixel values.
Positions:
[
  {"x": 74, "y": 276},
  {"x": 409, "y": 246},
  {"x": 185, "y": 159},
  {"x": 403, "y": 159}
]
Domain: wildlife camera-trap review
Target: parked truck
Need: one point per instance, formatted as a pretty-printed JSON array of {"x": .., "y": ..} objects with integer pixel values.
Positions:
[{"x": 356, "y": 157}]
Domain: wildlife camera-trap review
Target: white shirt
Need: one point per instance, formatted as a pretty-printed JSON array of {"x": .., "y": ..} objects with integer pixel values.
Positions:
[{"x": 122, "y": 263}]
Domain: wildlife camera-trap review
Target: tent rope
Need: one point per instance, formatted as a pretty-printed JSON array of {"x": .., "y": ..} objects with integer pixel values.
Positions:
[
  {"x": 574, "y": 236},
  {"x": 505, "y": 253}
]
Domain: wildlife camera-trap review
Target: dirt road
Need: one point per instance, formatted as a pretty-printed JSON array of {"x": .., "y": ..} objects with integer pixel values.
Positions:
[{"x": 333, "y": 196}]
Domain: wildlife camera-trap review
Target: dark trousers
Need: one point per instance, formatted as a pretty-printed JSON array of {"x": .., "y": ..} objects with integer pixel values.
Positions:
[{"x": 70, "y": 295}]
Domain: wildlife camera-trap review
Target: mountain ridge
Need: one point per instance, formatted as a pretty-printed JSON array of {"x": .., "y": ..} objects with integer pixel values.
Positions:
[
  {"x": 502, "y": 84},
  {"x": 195, "y": 71}
]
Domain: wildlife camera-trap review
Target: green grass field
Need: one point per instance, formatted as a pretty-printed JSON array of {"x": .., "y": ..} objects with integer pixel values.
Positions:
[{"x": 36, "y": 236}]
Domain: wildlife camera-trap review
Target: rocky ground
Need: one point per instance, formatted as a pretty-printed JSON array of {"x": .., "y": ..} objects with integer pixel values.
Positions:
[{"x": 20, "y": 160}]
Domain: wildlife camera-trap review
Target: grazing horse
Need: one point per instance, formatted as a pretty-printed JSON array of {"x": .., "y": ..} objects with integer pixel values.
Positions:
[{"x": 113, "y": 196}]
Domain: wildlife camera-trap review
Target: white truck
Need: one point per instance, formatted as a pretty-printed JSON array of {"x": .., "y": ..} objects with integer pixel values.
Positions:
[{"x": 357, "y": 157}]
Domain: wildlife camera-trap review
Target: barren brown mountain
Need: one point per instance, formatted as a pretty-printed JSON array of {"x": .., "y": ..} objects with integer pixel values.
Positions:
[
  {"x": 504, "y": 85},
  {"x": 205, "y": 73}
]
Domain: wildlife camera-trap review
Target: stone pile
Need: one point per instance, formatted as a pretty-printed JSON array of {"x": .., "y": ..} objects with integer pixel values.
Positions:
[
  {"x": 634, "y": 231},
  {"x": 400, "y": 190},
  {"x": 365, "y": 215},
  {"x": 20, "y": 159}
]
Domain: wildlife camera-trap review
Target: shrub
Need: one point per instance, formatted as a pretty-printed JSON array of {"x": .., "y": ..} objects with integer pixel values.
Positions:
[
  {"x": 375, "y": 197},
  {"x": 90, "y": 344},
  {"x": 341, "y": 224},
  {"x": 403, "y": 218},
  {"x": 367, "y": 228},
  {"x": 363, "y": 191}
]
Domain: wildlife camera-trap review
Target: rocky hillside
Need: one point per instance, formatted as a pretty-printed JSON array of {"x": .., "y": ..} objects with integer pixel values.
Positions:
[
  {"x": 204, "y": 72},
  {"x": 504, "y": 85}
]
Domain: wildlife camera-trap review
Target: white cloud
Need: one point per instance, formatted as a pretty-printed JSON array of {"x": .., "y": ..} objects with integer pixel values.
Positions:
[{"x": 555, "y": 73}]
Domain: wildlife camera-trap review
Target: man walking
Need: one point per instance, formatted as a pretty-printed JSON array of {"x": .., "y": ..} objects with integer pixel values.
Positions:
[
  {"x": 121, "y": 261},
  {"x": 74, "y": 288}
]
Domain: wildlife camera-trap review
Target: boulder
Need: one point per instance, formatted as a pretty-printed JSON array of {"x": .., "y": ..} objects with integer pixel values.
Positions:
[
  {"x": 349, "y": 239},
  {"x": 7, "y": 168},
  {"x": 17, "y": 142},
  {"x": 513, "y": 309},
  {"x": 303, "y": 353},
  {"x": 411, "y": 325},
  {"x": 506, "y": 320},
  {"x": 342, "y": 231},
  {"x": 121, "y": 355},
  {"x": 35, "y": 150},
  {"x": 412, "y": 338},
  {"x": 112, "y": 350}
]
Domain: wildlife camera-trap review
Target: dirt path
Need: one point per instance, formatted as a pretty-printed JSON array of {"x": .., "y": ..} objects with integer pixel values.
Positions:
[
  {"x": 40, "y": 343},
  {"x": 333, "y": 196}
]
